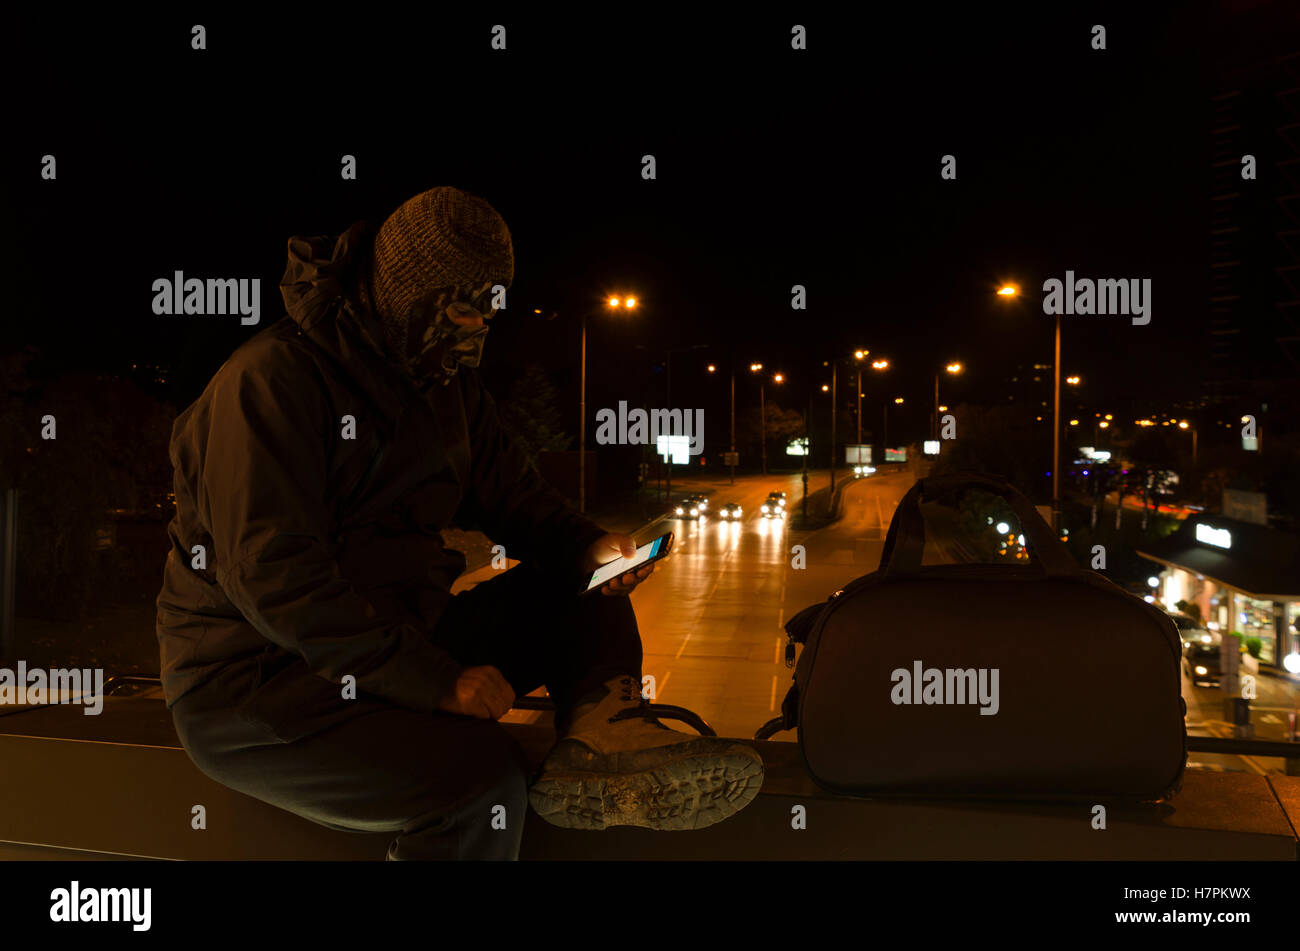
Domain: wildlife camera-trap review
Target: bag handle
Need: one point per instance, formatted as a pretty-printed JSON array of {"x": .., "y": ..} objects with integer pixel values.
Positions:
[{"x": 905, "y": 542}]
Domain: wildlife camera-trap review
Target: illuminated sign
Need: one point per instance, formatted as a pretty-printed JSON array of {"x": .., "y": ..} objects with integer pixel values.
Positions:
[
  {"x": 681, "y": 449},
  {"x": 797, "y": 447},
  {"x": 930, "y": 447},
  {"x": 1218, "y": 537}
]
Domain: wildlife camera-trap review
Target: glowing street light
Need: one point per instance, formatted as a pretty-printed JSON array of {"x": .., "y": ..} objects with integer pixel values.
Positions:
[
  {"x": 1072, "y": 380},
  {"x": 1008, "y": 290},
  {"x": 952, "y": 369},
  {"x": 613, "y": 303}
]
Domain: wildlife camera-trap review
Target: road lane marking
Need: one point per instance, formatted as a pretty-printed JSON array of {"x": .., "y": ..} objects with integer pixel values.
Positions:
[
  {"x": 772, "y": 703},
  {"x": 776, "y": 657}
]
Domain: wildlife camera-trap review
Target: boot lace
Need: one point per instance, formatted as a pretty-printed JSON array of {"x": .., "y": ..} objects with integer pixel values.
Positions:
[{"x": 631, "y": 689}]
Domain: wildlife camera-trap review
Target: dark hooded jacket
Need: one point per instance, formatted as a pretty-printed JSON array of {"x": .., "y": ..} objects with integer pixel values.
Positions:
[{"x": 327, "y": 547}]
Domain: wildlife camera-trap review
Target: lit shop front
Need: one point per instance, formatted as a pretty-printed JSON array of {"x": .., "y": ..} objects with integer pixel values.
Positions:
[{"x": 1245, "y": 578}]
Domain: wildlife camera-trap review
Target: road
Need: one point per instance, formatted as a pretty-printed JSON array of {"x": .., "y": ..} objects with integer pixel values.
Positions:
[{"x": 712, "y": 616}]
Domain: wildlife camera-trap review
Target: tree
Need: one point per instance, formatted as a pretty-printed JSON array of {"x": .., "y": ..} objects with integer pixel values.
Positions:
[{"x": 531, "y": 413}]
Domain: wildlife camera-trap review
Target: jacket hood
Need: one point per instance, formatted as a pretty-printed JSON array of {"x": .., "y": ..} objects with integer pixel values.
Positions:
[{"x": 321, "y": 268}]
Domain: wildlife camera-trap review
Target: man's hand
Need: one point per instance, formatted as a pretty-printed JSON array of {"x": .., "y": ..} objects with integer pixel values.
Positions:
[
  {"x": 609, "y": 547},
  {"x": 480, "y": 692}
]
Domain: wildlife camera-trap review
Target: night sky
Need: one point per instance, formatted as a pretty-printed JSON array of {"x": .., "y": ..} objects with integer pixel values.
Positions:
[{"x": 774, "y": 168}]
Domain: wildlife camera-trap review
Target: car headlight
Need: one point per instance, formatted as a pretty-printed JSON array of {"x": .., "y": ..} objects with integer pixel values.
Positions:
[
  {"x": 781, "y": 502},
  {"x": 695, "y": 511},
  {"x": 766, "y": 509},
  {"x": 1201, "y": 671},
  {"x": 679, "y": 510},
  {"x": 1206, "y": 639}
]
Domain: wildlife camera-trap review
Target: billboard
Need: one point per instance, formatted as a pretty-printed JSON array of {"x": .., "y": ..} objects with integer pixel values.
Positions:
[{"x": 857, "y": 455}]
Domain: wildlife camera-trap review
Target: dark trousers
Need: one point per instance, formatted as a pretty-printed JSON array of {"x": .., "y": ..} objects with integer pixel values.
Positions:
[{"x": 282, "y": 735}]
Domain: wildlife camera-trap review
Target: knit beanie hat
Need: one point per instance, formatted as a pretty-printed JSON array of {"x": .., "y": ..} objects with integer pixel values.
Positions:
[{"x": 441, "y": 239}]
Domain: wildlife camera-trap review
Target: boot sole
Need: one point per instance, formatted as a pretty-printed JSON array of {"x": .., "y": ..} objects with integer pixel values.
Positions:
[{"x": 689, "y": 792}]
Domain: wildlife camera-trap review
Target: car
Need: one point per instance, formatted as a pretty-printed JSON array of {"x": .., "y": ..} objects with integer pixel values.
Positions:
[
  {"x": 772, "y": 508},
  {"x": 775, "y": 498},
  {"x": 863, "y": 470},
  {"x": 731, "y": 512},
  {"x": 692, "y": 506},
  {"x": 1200, "y": 650}
]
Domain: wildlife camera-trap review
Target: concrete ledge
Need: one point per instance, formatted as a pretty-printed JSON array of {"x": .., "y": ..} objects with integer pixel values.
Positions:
[{"x": 75, "y": 784}]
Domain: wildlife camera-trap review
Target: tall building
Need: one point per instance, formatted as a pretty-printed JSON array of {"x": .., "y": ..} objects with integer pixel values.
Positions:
[{"x": 1254, "y": 318}]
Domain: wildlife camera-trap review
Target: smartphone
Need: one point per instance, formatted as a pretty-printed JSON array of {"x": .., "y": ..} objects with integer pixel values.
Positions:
[{"x": 650, "y": 551}]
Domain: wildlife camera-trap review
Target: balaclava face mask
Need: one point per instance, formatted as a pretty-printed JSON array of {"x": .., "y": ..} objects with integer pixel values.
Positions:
[
  {"x": 439, "y": 254},
  {"x": 437, "y": 346}
]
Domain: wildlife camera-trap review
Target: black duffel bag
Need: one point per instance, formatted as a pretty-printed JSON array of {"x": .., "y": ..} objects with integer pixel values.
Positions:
[{"x": 1030, "y": 679}]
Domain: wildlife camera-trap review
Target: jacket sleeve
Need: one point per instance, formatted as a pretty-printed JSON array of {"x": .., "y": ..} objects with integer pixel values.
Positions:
[
  {"x": 509, "y": 499},
  {"x": 262, "y": 494}
]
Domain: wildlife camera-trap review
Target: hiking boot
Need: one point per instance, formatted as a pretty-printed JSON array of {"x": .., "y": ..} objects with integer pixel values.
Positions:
[{"x": 634, "y": 771}]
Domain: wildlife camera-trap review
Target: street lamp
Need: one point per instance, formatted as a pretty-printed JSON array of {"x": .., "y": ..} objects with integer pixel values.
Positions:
[
  {"x": 762, "y": 413},
  {"x": 952, "y": 369},
  {"x": 611, "y": 304},
  {"x": 1008, "y": 291},
  {"x": 731, "y": 455},
  {"x": 884, "y": 435},
  {"x": 1186, "y": 425},
  {"x": 859, "y": 356}
]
